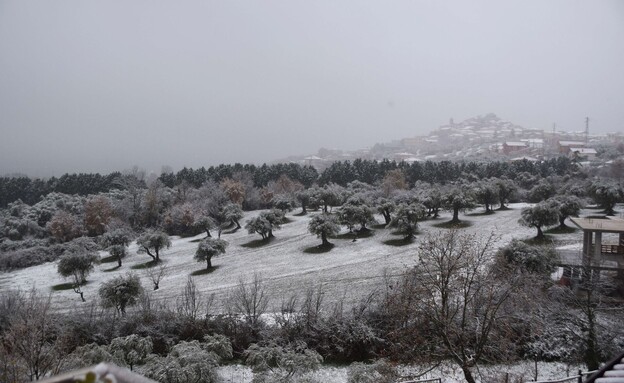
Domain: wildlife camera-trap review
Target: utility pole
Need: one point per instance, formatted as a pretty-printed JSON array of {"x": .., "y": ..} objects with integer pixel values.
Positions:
[{"x": 586, "y": 130}]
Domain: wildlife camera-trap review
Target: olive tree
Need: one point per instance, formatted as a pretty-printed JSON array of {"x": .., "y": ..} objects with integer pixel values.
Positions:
[
  {"x": 208, "y": 248},
  {"x": 152, "y": 242},
  {"x": 265, "y": 223},
  {"x": 566, "y": 206},
  {"x": 538, "y": 216},
  {"x": 406, "y": 218},
  {"x": 324, "y": 225},
  {"x": 205, "y": 223},
  {"x": 457, "y": 199},
  {"x": 606, "y": 194},
  {"x": 77, "y": 263},
  {"x": 116, "y": 242},
  {"x": 131, "y": 350},
  {"x": 121, "y": 292}
]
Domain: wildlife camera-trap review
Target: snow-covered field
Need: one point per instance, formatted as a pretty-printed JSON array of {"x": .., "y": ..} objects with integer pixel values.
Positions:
[
  {"x": 348, "y": 272},
  {"x": 524, "y": 372}
]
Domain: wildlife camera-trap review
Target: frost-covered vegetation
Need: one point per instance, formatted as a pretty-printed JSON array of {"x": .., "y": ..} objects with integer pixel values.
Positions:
[{"x": 451, "y": 293}]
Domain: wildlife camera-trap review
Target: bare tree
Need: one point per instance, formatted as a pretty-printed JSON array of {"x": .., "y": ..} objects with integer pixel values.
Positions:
[
  {"x": 189, "y": 304},
  {"x": 460, "y": 297},
  {"x": 250, "y": 299},
  {"x": 155, "y": 274},
  {"x": 30, "y": 338}
]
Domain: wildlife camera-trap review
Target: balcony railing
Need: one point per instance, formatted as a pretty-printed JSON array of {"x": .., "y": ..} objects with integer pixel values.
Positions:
[{"x": 612, "y": 249}]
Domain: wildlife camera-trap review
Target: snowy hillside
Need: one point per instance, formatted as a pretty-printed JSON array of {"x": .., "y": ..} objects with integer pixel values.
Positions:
[{"x": 349, "y": 271}]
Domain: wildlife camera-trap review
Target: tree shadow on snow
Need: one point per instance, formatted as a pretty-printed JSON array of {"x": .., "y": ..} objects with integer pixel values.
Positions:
[
  {"x": 204, "y": 271},
  {"x": 480, "y": 213},
  {"x": 399, "y": 241},
  {"x": 534, "y": 241},
  {"x": 453, "y": 225},
  {"x": 320, "y": 249},
  {"x": 561, "y": 230},
  {"x": 109, "y": 259},
  {"x": 145, "y": 265},
  {"x": 356, "y": 234},
  {"x": 116, "y": 267},
  {"x": 254, "y": 244},
  {"x": 65, "y": 286}
]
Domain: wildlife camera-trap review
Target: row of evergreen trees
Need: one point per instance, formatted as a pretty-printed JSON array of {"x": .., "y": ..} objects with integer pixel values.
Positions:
[{"x": 31, "y": 190}]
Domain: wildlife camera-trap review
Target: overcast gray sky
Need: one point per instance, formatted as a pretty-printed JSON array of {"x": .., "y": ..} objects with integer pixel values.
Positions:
[{"x": 104, "y": 85}]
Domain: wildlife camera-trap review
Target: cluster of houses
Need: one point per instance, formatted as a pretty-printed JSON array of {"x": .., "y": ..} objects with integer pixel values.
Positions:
[{"x": 482, "y": 137}]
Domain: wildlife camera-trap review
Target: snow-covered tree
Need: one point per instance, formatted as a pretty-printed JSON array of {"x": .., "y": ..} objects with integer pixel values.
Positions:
[
  {"x": 457, "y": 199},
  {"x": 181, "y": 220},
  {"x": 486, "y": 193},
  {"x": 265, "y": 223},
  {"x": 121, "y": 292},
  {"x": 542, "y": 191},
  {"x": 152, "y": 242},
  {"x": 534, "y": 259},
  {"x": 566, "y": 206},
  {"x": 205, "y": 223},
  {"x": 232, "y": 212},
  {"x": 407, "y": 217},
  {"x": 64, "y": 226},
  {"x": 606, "y": 194},
  {"x": 538, "y": 216},
  {"x": 324, "y": 225},
  {"x": 275, "y": 363},
  {"x": 385, "y": 207},
  {"x": 459, "y": 297},
  {"x": 116, "y": 242},
  {"x": 186, "y": 362},
  {"x": 77, "y": 263},
  {"x": 131, "y": 350},
  {"x": 506, "y": 188},
  {"x": 208, "y": 248},
  {"x": 98, "y": 212}
]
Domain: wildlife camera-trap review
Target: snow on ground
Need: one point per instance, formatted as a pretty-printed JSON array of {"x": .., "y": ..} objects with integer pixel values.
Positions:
[
  {"x": 449, "y": 373},
  {"x": 348, "y": 272}
]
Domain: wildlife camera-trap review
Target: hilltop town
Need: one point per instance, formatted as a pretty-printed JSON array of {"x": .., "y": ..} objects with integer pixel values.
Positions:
[{"x": 482, "y": 138}]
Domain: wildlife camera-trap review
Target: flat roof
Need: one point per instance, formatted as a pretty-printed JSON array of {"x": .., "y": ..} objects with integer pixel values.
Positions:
[{"x": 606, "y": 225}]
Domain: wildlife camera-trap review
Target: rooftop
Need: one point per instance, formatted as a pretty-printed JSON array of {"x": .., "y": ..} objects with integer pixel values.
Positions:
[{"x": 605, "y": 225}]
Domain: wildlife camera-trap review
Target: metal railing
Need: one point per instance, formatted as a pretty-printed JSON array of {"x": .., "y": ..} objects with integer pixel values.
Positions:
[
  {"x": 575, "y": 378},
  {"x": 612, "y": 249},
  {"x": 599, "y": 373}
]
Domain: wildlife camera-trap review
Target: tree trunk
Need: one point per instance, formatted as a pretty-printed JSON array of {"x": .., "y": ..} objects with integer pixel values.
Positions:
[
  {"x": 304, "y": 209},
  {"x": 238, "y": 226},
  {"x": 119, "y": 261},
  {"x": 592, "y": 359},
  {"x": 562, "y": 222},
  {"x": 540, "y": 233},
  {"x": 455, "y": 215},
  {"x": 208, "y": 235},
  {"x": 324, "y": 239},
  {"x": 468, "y": 374},
  {"x": 386, "y": 216},
  {"x": 208, "y": 263}
]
